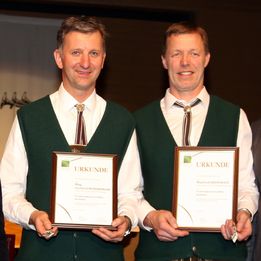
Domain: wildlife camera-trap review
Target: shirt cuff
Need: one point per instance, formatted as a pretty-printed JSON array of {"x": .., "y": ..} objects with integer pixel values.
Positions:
[
  {"x": 24, "y": 216},
  {"x": 142, "y": 211}
]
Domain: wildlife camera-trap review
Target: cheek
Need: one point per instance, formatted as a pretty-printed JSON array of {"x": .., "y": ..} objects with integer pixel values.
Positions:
[{"x": 173, "y": 67}]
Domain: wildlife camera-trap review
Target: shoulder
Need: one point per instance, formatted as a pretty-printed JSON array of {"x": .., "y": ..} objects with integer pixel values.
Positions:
[
  {"x": 32, "y": 107},
  {"x": 224, "y": 103}
]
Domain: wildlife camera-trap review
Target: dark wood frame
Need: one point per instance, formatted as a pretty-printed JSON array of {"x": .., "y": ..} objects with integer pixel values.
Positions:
[
  {"x": 53, "y": 192},
  {"x": 176, "y": 180}
]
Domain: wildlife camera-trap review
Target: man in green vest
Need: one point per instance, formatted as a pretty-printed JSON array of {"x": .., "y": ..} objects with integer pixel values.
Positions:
[
  {"x": 48, "y": 125},
  {"x": 161, "y": 126}
]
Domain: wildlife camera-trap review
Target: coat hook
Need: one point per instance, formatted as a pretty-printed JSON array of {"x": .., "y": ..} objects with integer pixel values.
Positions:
[
  {"x": 6, "y": 101},
  {"x": 25, "y": 98}
]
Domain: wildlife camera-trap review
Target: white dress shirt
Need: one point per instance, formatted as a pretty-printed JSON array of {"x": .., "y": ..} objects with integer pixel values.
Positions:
[
  {"x": 14, "y": 164},
  {"x": 247, "y": 190}
]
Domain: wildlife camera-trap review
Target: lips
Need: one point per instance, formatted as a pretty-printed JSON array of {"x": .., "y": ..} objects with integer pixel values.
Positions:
[
  {"x": 84, "y": 73},
  {"x": 187, "y": 73}
]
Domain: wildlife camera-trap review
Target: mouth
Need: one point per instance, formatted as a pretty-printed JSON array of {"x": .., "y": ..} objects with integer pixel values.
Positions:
[
  {"x": 186, "y": 73},
  {"x": 83, "y": 73}
]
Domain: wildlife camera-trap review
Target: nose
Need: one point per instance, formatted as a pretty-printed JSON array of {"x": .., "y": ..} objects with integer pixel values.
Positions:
[
  {"x": 85, "y": 61},
  {"x": 185, "y": 60}
]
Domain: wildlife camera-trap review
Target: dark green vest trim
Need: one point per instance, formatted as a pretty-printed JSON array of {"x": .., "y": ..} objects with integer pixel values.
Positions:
[
  {"x": 156, "y": 146},
  {"x": 42, "y": 134}
]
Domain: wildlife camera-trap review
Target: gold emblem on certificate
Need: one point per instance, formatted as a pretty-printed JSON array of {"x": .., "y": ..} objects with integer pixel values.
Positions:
[
  {"x": 205, "y": 187},
  {"x": 84, "y": 190}
]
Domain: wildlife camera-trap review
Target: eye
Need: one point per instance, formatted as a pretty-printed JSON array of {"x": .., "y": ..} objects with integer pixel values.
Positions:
[
  {"x": 75, "y": 52},
  {"x": 175, "y": 54},
  {"x": 195, "y": 54},
  {"x": 94, "y": 53}
]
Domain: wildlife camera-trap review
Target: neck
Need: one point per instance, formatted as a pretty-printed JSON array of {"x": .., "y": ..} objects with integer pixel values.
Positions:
[
  {"x": 78, "y": 94},
  {"x": 185, "y": 95}
]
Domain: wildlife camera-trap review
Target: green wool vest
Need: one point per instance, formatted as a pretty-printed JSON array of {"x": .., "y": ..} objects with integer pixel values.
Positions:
[
  {"x": 42, "y": 134},
  {"x": 156, "y": 146}
]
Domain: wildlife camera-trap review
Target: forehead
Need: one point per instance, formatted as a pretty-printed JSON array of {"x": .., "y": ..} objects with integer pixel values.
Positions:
[
  {"x": 83, "y": 40},
  {"x": 185, "y": 42}
]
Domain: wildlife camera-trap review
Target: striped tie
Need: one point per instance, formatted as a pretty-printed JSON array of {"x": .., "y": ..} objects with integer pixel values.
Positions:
[
  {"x": 80, "y": 134},
  {"x": 186, "y": 120}
]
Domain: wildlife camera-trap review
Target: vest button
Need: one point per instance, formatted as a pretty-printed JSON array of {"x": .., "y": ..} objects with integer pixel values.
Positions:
[{"x": 194, "y": 249}]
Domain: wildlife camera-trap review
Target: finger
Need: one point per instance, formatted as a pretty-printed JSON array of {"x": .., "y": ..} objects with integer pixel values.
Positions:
[
  {"x": 224, "y": 232},
  {"x": 47, "y": 223},
  {"x": 172, "y": 222},
  {"x": 166, "y": 239},
  {"x": 55, "y": 230},
  {"x": 118, "y": 221},
  {"x": 230, "y": 228},
  {"x": 105, "y": 235}
]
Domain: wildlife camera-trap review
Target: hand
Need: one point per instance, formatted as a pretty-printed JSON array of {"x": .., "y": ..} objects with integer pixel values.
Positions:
[
  {"x": 164, "y": 225},
  {"x": 243, "y": 227},
  {"x": 42, "y": 224},
  {"x": 122, "y": 225}
]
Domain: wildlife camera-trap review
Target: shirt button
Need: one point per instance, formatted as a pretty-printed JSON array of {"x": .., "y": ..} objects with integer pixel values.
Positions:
[
  {"x": 75, "y": 257},
  {"x": 194, "y": 249},
  {"x": 75, "y": 235}
]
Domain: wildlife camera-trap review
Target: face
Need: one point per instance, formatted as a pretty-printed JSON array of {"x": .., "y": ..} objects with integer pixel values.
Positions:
[
  {"x": 81, "y": 59},
  {"x": 185, "y": 59}
]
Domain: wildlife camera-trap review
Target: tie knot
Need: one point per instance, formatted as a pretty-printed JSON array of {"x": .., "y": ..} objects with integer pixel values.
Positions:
[
  {"x": 80, "y": 107},
  {"x": 187, "y": 108}
]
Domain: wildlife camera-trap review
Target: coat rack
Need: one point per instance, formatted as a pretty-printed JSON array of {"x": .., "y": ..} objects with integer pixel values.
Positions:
[{"x": 14, "y": 101}]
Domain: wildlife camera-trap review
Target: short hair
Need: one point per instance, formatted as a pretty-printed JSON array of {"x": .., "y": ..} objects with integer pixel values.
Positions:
[
  {"x": 82, "y": 24},
  {"x": 185, "y": 28}
]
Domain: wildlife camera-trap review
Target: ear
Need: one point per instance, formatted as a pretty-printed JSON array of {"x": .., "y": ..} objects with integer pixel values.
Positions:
[
  {"x": 58, "y": 58},
  {"x": 164, "y": 62},
  {"x": 207, "y": 60}
]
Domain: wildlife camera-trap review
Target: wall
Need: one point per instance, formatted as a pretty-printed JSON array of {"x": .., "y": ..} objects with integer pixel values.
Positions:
[
  {"x": 233, "y": 27},
  {"x": 234, "y": 70}
]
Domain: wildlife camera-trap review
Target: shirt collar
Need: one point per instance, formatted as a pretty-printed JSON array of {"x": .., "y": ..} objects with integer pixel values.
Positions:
[
  {"x": 68, "y": 101},
  {"x": 170, "y": 99}
]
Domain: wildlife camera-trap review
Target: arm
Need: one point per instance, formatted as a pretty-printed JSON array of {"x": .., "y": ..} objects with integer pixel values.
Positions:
[
  {"x": 247, "y": 190},
  {"x": 13, "y": 173}
]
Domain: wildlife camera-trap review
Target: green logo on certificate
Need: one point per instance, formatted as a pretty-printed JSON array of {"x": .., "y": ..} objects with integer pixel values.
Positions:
[
  {"x": 187, "y": 159},
  {"x": 65, "y": 163}
]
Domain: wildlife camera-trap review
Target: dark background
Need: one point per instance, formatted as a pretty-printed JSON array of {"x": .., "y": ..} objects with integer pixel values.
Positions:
[{"x": 133, "y": 74}]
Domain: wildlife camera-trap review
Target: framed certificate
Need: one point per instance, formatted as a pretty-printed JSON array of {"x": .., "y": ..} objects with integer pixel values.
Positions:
[
  {"x": 205, "y": 187},
  {"x": 84, "y": 190}
]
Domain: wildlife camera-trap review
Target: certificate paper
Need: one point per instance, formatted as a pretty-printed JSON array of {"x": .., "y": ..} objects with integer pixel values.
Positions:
[
  {"x": 84, "y": 190},
  {"x": 205, "y": 187}
]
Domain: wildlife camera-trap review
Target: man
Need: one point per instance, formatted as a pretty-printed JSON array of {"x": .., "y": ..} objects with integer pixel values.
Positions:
[
  {"x": 3, "y": 245},
  {"x": 48, "y": 125},
  {"x": 215, "y": 122},
  {"x": 256, "y": 241}
]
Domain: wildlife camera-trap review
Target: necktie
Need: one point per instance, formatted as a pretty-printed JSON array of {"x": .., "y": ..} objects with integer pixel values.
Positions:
[
  {"x": 186, "y": 120},
  {"x": 80, "y": 134}
]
